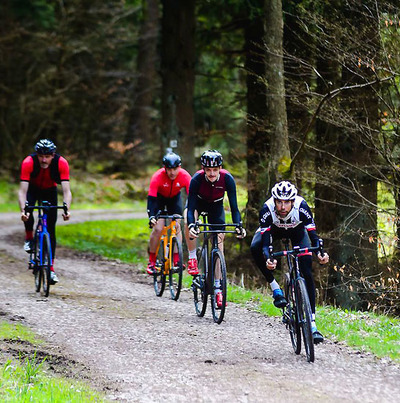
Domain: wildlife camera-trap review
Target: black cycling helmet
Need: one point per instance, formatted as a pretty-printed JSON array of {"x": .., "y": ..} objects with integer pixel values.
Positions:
[
  {"x": 45, "y": 146},
  {"x": 211, "y": 158},
  {"x": 284, "y": 191},
  {"x": 172, "y": 160}
]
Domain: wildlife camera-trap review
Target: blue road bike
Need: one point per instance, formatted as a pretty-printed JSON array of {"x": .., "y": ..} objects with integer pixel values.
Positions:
[{"x": 41, "y": 255}]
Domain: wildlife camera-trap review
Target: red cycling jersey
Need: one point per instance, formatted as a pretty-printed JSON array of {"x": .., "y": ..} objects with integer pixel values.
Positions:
[
  {"x": 161, "y": 185},
  {"x": 44, "y": 179}
]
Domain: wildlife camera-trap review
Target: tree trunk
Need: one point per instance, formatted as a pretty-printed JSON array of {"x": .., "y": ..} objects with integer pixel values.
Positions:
[
  {"x": 141, "y": 134},
  {"x": 268, "y": 156},
  {"x": 178, "y": 77}
]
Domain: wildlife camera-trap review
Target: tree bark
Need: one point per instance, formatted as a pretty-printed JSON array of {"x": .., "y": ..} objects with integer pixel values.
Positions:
[{"x": 178, "y": 78}]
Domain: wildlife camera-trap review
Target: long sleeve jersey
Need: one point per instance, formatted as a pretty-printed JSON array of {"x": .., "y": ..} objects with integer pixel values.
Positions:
[
  {"x": 203, "y": 191},
  {"x": 299, "y": 219}
]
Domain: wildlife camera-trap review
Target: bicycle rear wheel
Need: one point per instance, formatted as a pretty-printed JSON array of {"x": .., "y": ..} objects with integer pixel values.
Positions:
[
  {"x": 290, "y": 317},
  {"x": 199, "y": 285},
  {"x": 34, "y": 262},
  {"x": 305, "y": 317},
  {"x": 175, "y": 271},
  {"x": 218, "y": 311},
  {"x": 45, "y": 266},
  {"x": 159, "y": 275}
]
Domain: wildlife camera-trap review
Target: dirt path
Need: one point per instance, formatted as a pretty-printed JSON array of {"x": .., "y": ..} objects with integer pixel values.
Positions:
[{"x": 104, "y": 324}]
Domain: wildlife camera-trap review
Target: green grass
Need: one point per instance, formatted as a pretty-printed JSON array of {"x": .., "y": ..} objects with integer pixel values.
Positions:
[
  {"x": 366, "y": 331},
  {"x": 25, "y": 380},
  {"x": 17, "y": 332},
  {"x": 127, "y": 241}
]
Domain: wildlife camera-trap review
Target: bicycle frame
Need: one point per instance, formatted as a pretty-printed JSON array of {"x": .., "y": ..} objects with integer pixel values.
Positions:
[
  {"x": 213, "y": 266},
  {"x": 165, "y": 265},
  {"x": 172, "y": 228},
  {"x": 37, "y": 260},
  {"x": 298, "y": 299}
]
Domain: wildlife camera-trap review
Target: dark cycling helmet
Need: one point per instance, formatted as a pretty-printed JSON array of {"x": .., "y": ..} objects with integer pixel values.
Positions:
[
  {"x": 172, "y": 160},
  {"x": 45, "y": 147},
  {"x": 211, "y": 158},
  {"x": 284, "y": 191}
]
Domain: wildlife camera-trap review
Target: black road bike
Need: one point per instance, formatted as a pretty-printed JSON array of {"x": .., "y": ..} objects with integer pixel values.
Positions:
[
  {"x": 297, "y": 314},
  {"x": 41, "y": 255},
  {"x": 212, "y": 266}
]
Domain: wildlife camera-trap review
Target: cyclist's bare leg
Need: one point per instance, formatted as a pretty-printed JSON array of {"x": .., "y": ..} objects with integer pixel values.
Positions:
[{"x": 155, "y": 235}]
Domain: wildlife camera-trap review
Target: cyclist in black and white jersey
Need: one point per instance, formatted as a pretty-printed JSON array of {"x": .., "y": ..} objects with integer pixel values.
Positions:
[{"x": 287, "y": 215}]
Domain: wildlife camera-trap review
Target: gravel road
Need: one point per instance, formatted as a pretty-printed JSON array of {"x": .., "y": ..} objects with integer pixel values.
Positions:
[{"x": 103, "y": 324}]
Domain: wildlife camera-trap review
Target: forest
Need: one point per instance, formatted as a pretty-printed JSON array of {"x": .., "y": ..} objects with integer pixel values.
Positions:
[{"x": 302, "y": 90}]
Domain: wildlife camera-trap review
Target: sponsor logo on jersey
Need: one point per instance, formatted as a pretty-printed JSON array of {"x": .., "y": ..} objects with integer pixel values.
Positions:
[
  {"x": 166, "y": 184},
  {"x": 305, "y": 212},
  {"x": 178, "y": 184},
  {"x": 265, "y": 216}
]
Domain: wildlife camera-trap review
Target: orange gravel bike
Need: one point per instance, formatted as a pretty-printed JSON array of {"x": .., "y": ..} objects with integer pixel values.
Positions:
[{"x": 169, "y": 261}]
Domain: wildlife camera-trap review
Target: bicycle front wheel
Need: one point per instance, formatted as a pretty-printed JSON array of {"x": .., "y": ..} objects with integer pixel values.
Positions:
[
  {"x": 45, "y": 266},
  {"x": 305, "y": 317},
  {"x": 159, "y": 274},
  {"x": 175, "y": 271},
  {"x": 199, "y": 285},
  {"x": 34, "y": 263},
  {"x": 290, "y": 317},
  {"x": 218, "y": 305}
]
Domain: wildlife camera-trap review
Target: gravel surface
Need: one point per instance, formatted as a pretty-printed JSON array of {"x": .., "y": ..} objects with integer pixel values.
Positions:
[{"x": 103, "y": 324}]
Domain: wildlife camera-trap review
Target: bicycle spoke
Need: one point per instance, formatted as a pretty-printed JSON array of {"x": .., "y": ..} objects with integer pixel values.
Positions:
[
  {"x": 304, "y": 310},
  {"x": 218, "y": 273},
  {"x": 199, "y": 284},
  {"x": 291, "y": 316},
  {"x": 175, "y": 272},
  {"x": 159, "y": 275},
  {"x": 46, "y": 264}
]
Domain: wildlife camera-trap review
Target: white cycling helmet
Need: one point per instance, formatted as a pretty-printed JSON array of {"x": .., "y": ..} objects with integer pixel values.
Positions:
[{"x": 284, "y": 191}]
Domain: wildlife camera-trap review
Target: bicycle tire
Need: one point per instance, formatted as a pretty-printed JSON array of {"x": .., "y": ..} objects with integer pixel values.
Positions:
[
  {"x": 159, "y": 275},
  {"x": 34, "y": 262},
  {"x": 175, "y": 271},
  {"x": 218, "y": 312},
  {"x": 199, "y": 285},
  {"x": 289, "y": 314},
  {"x": 305, "y": 317},
  {"x": 45, "y": 264}
]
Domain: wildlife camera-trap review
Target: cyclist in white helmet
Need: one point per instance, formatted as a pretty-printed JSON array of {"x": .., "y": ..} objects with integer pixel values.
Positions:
[{"x": 287, "y": 215}]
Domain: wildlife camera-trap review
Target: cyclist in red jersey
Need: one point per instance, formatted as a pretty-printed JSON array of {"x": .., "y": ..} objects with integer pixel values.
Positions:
[
  {"x": 165, "y": 194},
  {"x": 40, "y": 174}
]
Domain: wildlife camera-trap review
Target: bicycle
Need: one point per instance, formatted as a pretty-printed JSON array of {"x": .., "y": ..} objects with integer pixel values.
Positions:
[
  {"x": 203, "y": 284},
  {"x": 165, "y": 265},
  {"x": 297, "y": 314},
  {"x": 41, "y": 257}
]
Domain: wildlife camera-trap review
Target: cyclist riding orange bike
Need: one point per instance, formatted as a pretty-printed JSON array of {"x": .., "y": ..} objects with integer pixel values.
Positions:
[
  {"x": 40, "y": 174},
  {"x": 206, "y": 194},
  {"x": 285, "y": 215},
  {"x": 165, "y": 195}
]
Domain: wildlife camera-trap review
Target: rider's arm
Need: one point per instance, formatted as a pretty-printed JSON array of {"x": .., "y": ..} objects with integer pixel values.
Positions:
[
  {"x": 67, "y": 198},
  {"x": 307, "y": 218},
  {"x": 152, "y": 206},
  {"x": 265, "y": 219},
  {"x": 192, "y": 198},
  {"x": 23, "y": 190},
  {"x": 186, "y": 178},
  {"x": 67, "y": 195},
  {"x": 232, "y": 197}
]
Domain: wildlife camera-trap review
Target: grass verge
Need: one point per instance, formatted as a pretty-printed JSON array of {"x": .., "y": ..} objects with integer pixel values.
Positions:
[{"x": 25, "y": 380}]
